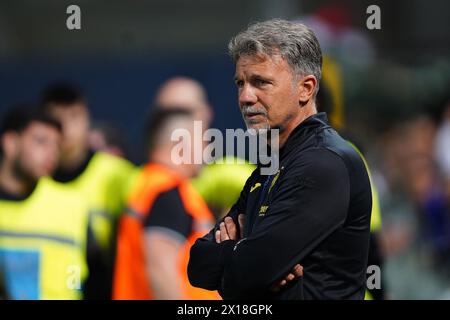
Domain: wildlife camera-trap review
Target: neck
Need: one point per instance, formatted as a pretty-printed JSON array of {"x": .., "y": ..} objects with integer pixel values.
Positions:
[
  {"x": 11, "y": 183},
  {"x": 305, "y": 112},
  {"x": 73, "y": 160}
]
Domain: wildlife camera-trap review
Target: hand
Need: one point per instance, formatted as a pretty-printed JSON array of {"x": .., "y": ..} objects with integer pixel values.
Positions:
[
  {"x": 228, "y": 231},
  {"x": 295, "y": 273}
]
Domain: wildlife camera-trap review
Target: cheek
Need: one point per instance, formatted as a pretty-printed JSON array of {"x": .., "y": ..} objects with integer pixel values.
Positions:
[
  {"x": 83, "y": 132},
  {"x": 38, "y": 154},
  {"x": 283, "y": 105},
  {"x": 280, "y": 97},
  {"x": 44, "y": 160},
  {"x": 30, "y": 159},
  {"x": 41, "y": 153},
  {"x": 76, "y": 132},
  {"x": 74, "y": 128},
  {"x": 291, "y": 100},
  {"x": 28, "y": 151}
]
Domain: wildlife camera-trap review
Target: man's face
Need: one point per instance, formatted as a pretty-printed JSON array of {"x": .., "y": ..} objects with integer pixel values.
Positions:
[
  {"x": 36, "y": 151},
  {"x": 75, "y": 124},
  {"x": 268, "y": 95}
]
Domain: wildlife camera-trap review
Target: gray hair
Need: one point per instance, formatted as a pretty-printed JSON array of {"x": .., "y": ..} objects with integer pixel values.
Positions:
[{"x": 295, "y": 42}]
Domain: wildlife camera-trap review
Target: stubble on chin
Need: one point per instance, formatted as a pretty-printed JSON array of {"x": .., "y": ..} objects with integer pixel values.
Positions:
[{"x": 258, "y": 127}]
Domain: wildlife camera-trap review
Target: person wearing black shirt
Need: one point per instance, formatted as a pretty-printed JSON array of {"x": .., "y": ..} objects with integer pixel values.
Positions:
[{"x": 315, "y": 211}]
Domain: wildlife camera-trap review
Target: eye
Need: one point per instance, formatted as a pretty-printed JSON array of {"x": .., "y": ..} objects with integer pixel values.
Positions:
[
  {"x": 41, "y": 140},
  {"x": 239, "y": 83},
  {"x": 259, "y": 82}
]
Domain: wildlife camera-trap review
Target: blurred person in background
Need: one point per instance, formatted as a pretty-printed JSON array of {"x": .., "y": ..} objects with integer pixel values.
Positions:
[
  {"x": 43, "y": 225},
  {"x": 185, "y": 93},
  {"x": 165, "y": 216},
  {"x": 102, "y": 178},
  {"x": 220, "y": 182},
  {"x": 109, "y": 138}
]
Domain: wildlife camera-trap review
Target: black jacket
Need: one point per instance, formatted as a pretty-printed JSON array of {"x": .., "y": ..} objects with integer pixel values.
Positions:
[{"x": 316, "y": 212}]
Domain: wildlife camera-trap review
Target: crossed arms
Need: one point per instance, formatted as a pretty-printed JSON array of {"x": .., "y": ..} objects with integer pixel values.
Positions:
[{"x": 310, "y": 204}]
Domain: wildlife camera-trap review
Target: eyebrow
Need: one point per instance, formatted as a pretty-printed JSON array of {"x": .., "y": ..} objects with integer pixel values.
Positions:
[
  {"x": 258, "y": 76},
  {"x": 255, "y": 76}
]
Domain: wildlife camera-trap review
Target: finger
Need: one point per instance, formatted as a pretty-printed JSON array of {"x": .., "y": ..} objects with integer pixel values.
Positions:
[
  {"x": 298, "y": 270},
  {"x": 290, "y": 277},
  {"x": 241, "y": 221},
  {"x": 218, "y": 236},
  {"x": 231, "y": 228},
  {"x": 223, "y": 232}
]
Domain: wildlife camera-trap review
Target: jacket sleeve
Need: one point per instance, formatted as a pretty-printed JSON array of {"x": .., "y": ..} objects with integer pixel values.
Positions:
[
  {"x": 207, "y": 258},
  {"x": 310, "y": 203}
]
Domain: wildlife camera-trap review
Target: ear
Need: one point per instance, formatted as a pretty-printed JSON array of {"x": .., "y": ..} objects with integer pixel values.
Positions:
[
  {"x": 10, "y": 143},
  {"x": 307, "y": 86}
]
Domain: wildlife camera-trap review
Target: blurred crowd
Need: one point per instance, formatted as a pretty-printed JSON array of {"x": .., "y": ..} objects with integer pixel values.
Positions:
[
  {"x": 414, "y": 183},
  {"x": 79, "y": 220},
  {"x": 399, "y": 117},
  {"x": 65, "y": 179}
]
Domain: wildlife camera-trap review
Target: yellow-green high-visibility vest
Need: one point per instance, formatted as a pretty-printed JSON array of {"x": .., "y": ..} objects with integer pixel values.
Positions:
[
  {"x": 105, "y": 184},
  {"x": 43, "y": 243},
  {"x": 221, "y": 183}
]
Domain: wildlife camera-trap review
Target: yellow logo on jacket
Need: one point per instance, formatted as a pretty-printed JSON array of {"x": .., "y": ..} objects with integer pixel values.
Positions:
[
  {"x": 263, "y": 210},
  {"x": 256, "y": 186}
]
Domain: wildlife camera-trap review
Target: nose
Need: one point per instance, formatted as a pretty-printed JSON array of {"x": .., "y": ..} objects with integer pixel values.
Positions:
[{"x": 247, "y": 95}]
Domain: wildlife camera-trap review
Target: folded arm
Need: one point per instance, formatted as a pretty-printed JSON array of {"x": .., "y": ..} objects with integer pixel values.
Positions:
[{"x": 311, "y": 204}]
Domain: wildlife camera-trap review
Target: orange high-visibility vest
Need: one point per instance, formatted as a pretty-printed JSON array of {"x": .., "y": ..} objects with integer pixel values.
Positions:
[{"x": 130, "y": 278}]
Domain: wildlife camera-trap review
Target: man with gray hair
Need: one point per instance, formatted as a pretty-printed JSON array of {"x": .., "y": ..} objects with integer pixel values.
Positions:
[{"x": 302, "y": 233}]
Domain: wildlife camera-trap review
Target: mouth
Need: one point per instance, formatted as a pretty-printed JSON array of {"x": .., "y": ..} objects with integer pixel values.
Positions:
[{"x": 254, "y": 115}]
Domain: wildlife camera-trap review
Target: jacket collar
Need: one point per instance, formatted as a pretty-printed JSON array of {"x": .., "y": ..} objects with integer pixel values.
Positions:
[{"x": 303, "y": 131}]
